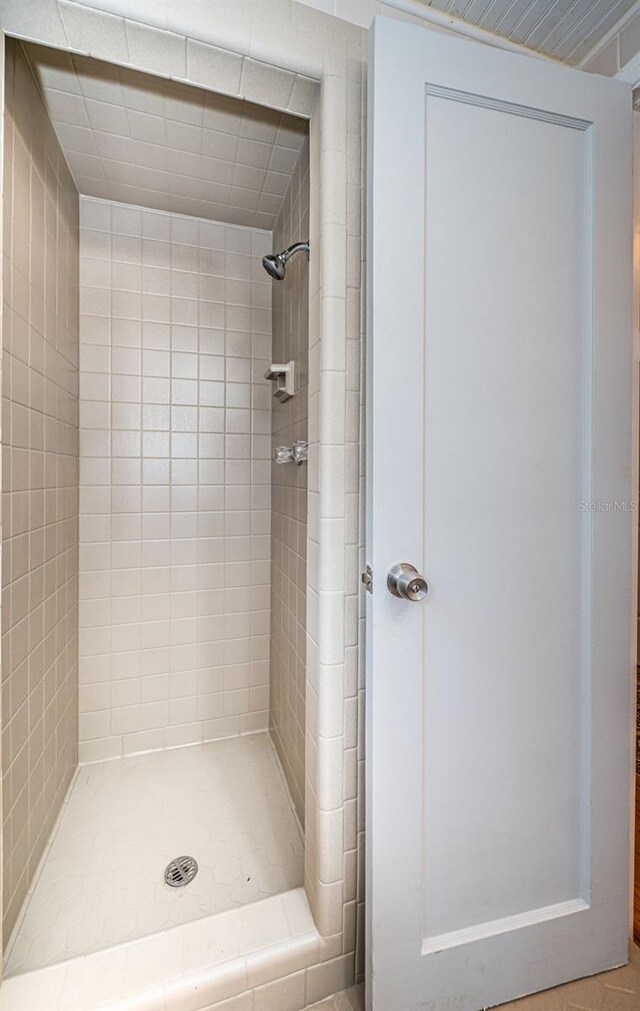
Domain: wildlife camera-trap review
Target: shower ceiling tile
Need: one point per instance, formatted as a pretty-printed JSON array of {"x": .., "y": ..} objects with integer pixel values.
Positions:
[
  {"x": 134, "y": 138},
  {"x": 253, "y": 152},
  {"x": 68, "y": 108},
  {"x": 85, "y": 165},
  {"x": 76, "y": 139},
  {"x": 221, "y": 146},
  {"x": 282, "y": 159},
  {"x": 146, "y": 127},
  {"x": 102, "y": 117},
  {"x": 223, "y": 116},
  {"x": 218, "y": 171}
]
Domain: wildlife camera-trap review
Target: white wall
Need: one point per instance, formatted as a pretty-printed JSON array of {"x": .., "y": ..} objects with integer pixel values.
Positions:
[{"x": 175, "y": 336}]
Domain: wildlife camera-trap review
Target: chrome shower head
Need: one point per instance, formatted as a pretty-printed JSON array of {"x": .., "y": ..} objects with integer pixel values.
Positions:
[{"x": 275, "y": 264}]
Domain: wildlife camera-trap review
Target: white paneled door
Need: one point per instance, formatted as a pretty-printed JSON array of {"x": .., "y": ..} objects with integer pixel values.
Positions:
[{"x": 499, "y": 405}]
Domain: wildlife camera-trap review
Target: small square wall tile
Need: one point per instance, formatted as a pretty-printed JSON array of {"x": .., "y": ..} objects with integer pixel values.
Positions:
[{"x": 166, "y": 408}]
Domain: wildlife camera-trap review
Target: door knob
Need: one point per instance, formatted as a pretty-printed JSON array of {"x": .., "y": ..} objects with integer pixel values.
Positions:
[{"x": 404, "y": 581}]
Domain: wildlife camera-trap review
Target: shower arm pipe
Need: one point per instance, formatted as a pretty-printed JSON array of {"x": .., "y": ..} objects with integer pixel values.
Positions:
[{"x": 297, "y": 247}]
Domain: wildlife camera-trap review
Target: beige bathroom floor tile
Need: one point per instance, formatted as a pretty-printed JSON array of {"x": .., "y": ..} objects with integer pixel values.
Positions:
[
  {"x": 347, "y": 1000},
  {"x": 617, "y": 990},
  {"x": 101, "y": 882}
]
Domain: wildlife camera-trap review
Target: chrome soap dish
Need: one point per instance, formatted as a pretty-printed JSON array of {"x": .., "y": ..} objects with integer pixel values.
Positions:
[{"x": 284, "y": 378}]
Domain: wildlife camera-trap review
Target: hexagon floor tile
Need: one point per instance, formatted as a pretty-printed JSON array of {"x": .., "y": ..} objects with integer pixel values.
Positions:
[
  {"x": 101, "y": 881},
  {"x": 617, "y": 990}
]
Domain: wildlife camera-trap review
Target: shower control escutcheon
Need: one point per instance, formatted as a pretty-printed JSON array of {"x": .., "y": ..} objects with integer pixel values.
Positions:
[{"x": 404, "y": 581}]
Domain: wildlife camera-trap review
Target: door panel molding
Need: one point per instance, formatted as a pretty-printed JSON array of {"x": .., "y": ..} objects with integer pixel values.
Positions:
[{"x": 498, "y": 422}]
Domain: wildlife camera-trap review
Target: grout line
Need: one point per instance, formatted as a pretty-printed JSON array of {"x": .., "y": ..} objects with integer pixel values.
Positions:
[{"x": 172, "y": 747}]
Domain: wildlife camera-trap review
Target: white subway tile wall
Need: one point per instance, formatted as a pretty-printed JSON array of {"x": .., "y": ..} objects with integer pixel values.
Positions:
[
  {"x": 289, "y": 520},
  {"x": 175, "y": 492},
  {"x": 40, "y": 482}
]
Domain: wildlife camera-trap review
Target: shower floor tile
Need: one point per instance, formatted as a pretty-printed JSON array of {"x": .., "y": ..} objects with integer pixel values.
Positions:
[{"x": 102, "y": 880}]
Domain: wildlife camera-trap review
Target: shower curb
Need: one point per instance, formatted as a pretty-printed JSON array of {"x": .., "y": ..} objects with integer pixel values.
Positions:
[{"x": 195, "y": 965}]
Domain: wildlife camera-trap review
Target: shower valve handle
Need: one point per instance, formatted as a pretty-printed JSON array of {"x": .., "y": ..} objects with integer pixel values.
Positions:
[{"x": 404, "y": 581}]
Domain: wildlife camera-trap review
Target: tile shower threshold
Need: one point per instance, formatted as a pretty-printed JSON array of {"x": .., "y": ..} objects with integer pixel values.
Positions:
[{"x": 191, "y": 966}]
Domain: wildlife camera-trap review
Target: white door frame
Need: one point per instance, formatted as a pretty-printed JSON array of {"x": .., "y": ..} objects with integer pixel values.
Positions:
[{"x": 635, "y": 471}]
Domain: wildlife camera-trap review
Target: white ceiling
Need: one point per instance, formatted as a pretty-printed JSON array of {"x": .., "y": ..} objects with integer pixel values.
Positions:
[
  {"x": 145, "y": 140},
  {"x": 565, "y": 29}
]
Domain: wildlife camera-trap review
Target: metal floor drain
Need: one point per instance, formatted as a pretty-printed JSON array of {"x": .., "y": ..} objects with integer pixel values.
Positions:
[{"x": 180, "y": 872}]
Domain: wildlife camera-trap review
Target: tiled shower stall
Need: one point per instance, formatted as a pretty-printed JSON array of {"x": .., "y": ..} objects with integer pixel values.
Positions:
[
  {"x": 138, "y": 588},
  {"x": 171, "y": 619}
]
